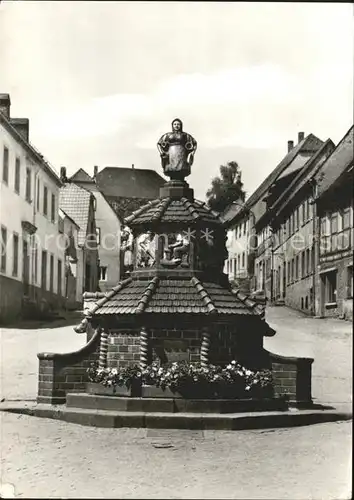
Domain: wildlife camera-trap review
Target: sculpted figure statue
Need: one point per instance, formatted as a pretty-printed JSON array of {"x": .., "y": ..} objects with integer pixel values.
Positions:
[{"x": 177, "y": 149}]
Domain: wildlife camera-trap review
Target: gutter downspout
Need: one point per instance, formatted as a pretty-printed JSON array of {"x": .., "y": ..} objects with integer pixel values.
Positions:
[{"x": 315, "y": 244}]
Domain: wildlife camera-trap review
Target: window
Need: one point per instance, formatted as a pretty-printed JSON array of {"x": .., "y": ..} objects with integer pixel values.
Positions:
[
  {"x": 44, "y": 270},
  {"x": 303, "y": 269},
  {"x": 38, "y": 193},
  {"x": 103, "y": 273},
  {"x": 346, "y": 218},
  {"x": 59, "y": 277},
  {"x": 28, "y": 184},
  {"x": 350, "y": 281},
  {"x": 310, "y": 209},
  {"x": 334, "y": 223},
  {"x": 3, "y": 248},
  {"x": 243, "y": 259},
  {"x": 15, "y": 255},
  {"x": 35, "y": 263},
  {"x": 51, "y": 273},
  {"x": 239, "y": 230},
  {"x": 238, "y": 262},
  {"x": 296, "y": 219},
  {"x": 235, "y": 233},
  {"x": 17, "y": 175},
  {"x": 292, "y": 270},
  {"x": 53, "y": 208},
  {"x": 307, "y": 261},
  {"x": 306, "y": 302},
  {"x": 310, "y": 261},
  {"x": 45, "y": 200},
  {"x": 301, "y": 214},
  {"x": 244, "y": 227},
  {"x": 5, "y": 165},
  {"x": 296, "y": 267},
  {"x": 331, "y": 287},
  {"x": 305, "y": 210},
  {"x": 98, "y": 235},
  {"x": 289, "y": 278}
]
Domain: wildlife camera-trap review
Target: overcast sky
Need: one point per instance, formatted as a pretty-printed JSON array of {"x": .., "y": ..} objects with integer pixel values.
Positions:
[{"x": 102, "y": 81}]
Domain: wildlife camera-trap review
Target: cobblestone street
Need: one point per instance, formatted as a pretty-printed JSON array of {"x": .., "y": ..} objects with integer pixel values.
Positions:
[
  {"x": 52, "y": 459},
  {"x": 49, "y": 458}
]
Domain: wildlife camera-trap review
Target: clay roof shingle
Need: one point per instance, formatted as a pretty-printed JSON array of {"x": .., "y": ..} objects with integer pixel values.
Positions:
[
  {"x": 129, "y": 182},
  {"x": 75, "y": 201},
  {"x": 337, "y": 163},
  {"x": 171, "y": 210},
  {"x": 309, "y": 143}
]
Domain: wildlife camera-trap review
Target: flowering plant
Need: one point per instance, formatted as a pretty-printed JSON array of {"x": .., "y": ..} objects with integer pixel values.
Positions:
[
  {"x": 110, "y": 377},
  {"x": 183, "y": 376}
]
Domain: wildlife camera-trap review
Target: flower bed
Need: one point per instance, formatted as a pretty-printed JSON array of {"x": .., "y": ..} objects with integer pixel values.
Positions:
[{"x": 191, "y": 380}]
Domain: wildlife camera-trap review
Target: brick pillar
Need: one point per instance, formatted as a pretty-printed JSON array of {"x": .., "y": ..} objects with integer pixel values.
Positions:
[
  {"x": 144, "y": 348},
  {"x": 205, "y": 347},
  {"x": 102, "y": 360}
]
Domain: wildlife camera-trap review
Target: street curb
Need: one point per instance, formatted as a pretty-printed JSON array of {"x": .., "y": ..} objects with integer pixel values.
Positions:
[{"x": 204, "y": 421}]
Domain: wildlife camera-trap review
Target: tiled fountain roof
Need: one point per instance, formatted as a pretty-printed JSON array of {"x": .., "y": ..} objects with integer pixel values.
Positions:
[
  {"x": 176, "y": 296},
  {"x": 173, "y": 210}
]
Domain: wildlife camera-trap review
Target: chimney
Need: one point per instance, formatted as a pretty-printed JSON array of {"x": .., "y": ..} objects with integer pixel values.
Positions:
[
  {"x": 22, "y": 126},
  {"x": 95, "y": 171},
  {"x": 133, "y": 166},
  {"x": 290, "y": 145},
  {"x": 5, "y": 104},
  {"x": 300, "y": 136},
  {"x": 63, "y": 177}
]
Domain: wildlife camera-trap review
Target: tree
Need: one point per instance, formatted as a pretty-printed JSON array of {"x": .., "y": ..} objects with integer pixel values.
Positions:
[{"x": 226, "y": 188}]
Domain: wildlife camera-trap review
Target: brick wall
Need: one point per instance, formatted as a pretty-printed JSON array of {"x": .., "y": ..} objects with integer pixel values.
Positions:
[
  {"x": 62, "y": 373},
  {"x": 176, "y": 344},
  {"x": 292, "y": 377}
]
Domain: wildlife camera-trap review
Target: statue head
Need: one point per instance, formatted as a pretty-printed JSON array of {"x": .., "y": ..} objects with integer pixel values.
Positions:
[{"x": 177, "y": 125}]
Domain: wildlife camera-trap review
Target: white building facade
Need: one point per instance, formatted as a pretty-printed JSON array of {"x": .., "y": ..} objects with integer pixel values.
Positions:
[{"x": 32, "y": 259}]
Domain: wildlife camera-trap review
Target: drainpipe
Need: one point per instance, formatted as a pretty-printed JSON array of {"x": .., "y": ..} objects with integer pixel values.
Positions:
[
  {"x": 315, "y": 244},
  {"x": 33, "y": 236}
]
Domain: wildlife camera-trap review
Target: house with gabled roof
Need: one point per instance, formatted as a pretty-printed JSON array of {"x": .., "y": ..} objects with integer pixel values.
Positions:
[
  {"x": 293, "y": 220},
  {"x": 79, "y": 204},
  {"x": 108, "y": 227},
  {"x": 31, "y": 264},
  {"x": 334, "y": 231},
  {"x": 249, "y": 233},
  {"x": 127, "y": 189}
]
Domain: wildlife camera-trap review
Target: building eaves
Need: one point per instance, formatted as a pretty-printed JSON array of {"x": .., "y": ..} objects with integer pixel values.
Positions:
[
  {"x": 271, "y": 178},
  {"x": 31, "y": 150},
  {"x": 68, "y": 216},
  {"x": 336, "y": 165},
  {"x": 308, "y": 171}
]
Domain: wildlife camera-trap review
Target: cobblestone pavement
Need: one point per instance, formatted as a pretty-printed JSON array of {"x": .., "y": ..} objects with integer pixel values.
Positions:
[
  {"x": 49, "y": 458},
  {"x": 52, "y": 459},
  {"x": 18, "y": 357},
  {"x": 328, "y": 341}
]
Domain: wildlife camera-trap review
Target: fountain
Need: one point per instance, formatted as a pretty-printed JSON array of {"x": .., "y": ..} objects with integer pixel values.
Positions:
[{"x": 175, "y": 306}]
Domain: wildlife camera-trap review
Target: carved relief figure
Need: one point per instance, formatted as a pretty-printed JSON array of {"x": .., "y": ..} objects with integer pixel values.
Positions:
[
  {"x": 146, "y": 248},
  {"x": 176, "y": 250},
  {"x": 127, "y": 248},
  {"x": 177, "y": 149}
]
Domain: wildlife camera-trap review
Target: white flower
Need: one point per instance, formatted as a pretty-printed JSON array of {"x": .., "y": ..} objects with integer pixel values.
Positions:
[
  {"x": 229, "y": 367},
  {"x": 114, "y": 371},
  {"x": 247, "y": 388},
  {"x": 248, "y": 372},
  {"x": 233, "y": 362}
]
